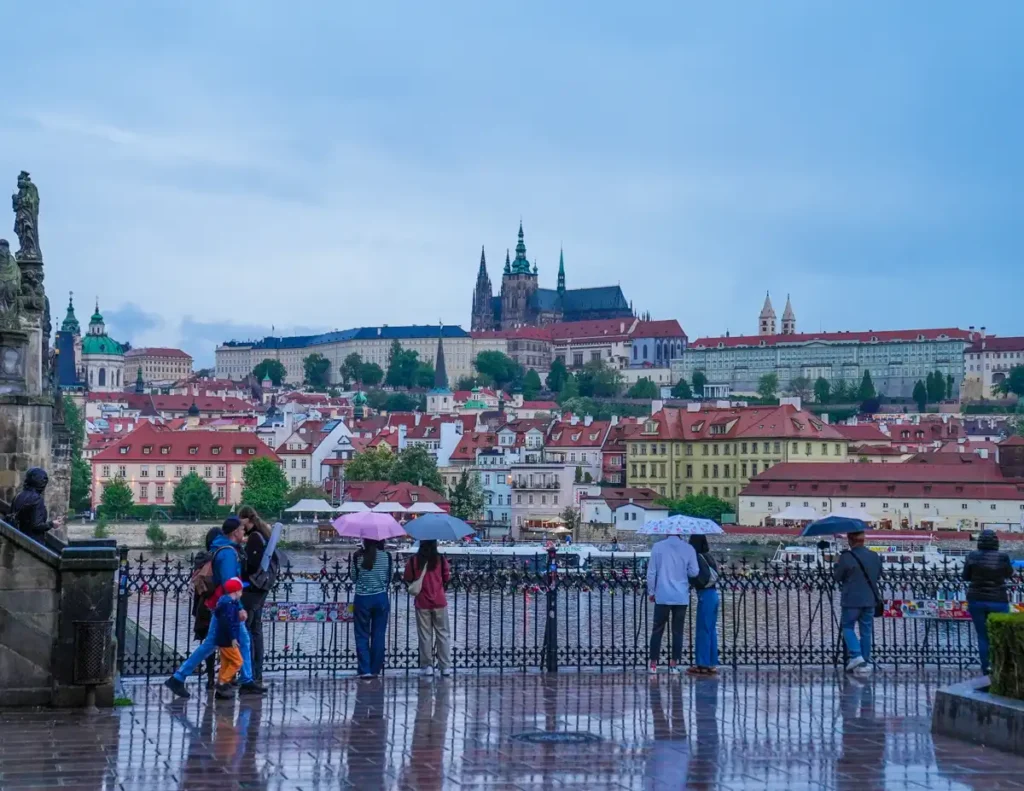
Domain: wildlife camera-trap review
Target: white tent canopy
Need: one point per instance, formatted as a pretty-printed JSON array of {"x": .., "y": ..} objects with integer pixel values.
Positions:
[
  {"x": 307, "y": 506},
  {"x": 796, "y": 513},
  {"x": 389, "y": 508},
  {"x": 425, "y": 508},
  {"x": 353, "y": 508},
  {"x": 853, "y": 513}
]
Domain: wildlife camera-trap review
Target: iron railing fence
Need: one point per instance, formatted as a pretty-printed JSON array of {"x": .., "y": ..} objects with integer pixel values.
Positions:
[{"x": 516, "y": 614}]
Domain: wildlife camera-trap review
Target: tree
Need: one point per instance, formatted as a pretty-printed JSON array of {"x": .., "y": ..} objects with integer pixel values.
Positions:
[
  {"x": 403, "y": 367},
  {"x": 557, "y": 375},
  {"x": 682, "y": 389},
  {"x": 571, "y": 517},
  {"x": 598, "y": 380},
  {"x": 703, "y": 506},
  {"x": 466, "y": 497},
  {"x": 317, "y": 371},
  {"x": 351, "y": 369},
  {"x": 531, "y": 385},
  {"x": 699, "y": 380},
  {"x": 333, "y": 392},
  {"x": 570, "y": 390},
  {"x": 264, "y": 486},
  {"x": 935, "y": 385},
  {"x": 370, "y": 374},
  {"x": 400, "y": 402},
  {"x": 801, "y": 387},
  {"x": 821, "y": 390},
  {"x": 205, "y": 373},
  {"x": 466, "y": 383},
  {"x": 867, "y": 387},
  {"x": 870, "y": 405},
  {"x": 498, "y": 367},
  {"x": 768, "y": 385},
  {"x": 373, "y": 464},
  {"x": 841, "y": 391},
  {"x": 416, "y": 465},
  {"x": 304, "y": 491},
  {"x": 117, "y": 498},
  {"x": 949, "y": 386},
  {"x": 424, "y": 375},
  {"x": 1013, "y": 383},
  {"x": 644, "y": 388},
  {"x": 270, "y": 369},
  {"x": 920, "y": 395},
  {"x": 81, "y": 475},
  {"x": 376, "y": 399},
  {"x": 194, "y": 498}
]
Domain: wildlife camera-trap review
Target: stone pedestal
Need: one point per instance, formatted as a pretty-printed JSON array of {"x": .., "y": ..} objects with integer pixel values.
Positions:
[{"x": 26, "y": 434}]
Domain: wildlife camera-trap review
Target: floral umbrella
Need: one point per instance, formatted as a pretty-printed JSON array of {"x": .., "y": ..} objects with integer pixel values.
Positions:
[{"x": 680, "y": 525}]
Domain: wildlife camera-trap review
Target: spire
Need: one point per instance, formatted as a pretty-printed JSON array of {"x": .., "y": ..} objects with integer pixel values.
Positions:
[
  {"x": 508, "y": 266},
  {"x": 534, "y": 266},
  {"x": 788, "y": 312},
  {"x": 561, "y": 270},
  {"x": 766, "y": 321},
  {"x": 788, "y": 319},
  {"x": 440, "y": 373},
  {"x": 70, "y": 324},
  {"x": 521, "y": 266},
  {"x": 483, "y": 263},
  {"x": 767, "y": 311},
  {"x": 193, "y": 411},
  {"x": 139, "y": 384}
]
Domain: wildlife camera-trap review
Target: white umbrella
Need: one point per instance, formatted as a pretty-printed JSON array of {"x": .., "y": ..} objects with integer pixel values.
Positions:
[
  {"x": 425, "y": 508},
  {"x": 307, "y": 506},
  {"x": 353, "y": 508},
  {"x": 389, "y": 508},
  {"x": 680, "y": 525},
  {"x": 796, "y": 513}
]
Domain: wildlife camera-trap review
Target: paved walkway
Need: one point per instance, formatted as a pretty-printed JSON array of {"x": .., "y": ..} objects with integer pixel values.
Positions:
[{"x": 748, "y": 730}]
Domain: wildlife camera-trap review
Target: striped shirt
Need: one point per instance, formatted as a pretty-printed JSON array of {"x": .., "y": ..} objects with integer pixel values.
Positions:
[{"x": 371, "y": 581}]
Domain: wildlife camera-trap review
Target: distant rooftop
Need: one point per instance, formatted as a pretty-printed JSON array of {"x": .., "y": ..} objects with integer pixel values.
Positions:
[{"x": 411, "y": 331}]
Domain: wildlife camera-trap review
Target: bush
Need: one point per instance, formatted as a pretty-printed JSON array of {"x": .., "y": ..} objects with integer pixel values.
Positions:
[
  {"x": 1006, "y": 654},
  {"x": 156, "y": 535},
  {"x": 101, "y": 530}
]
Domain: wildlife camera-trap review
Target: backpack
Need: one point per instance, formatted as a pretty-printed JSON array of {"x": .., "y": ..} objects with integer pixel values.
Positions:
[
  {"x": 201, "y": 582},
  {"x": 265, "y": 580},
  {"x": 707, "y": 577}
]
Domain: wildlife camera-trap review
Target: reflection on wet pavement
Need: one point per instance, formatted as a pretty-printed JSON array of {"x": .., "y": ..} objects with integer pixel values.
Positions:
[{"x": 747, "y": 730}]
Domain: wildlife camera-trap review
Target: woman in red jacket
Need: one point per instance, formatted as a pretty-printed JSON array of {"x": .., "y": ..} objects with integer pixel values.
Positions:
[{"x": 431, "y": 607}]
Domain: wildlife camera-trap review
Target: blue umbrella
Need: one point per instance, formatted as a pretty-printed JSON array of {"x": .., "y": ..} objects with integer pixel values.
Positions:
[
  {"x": 438, "y": 527},
  {"x": 834, "y": 525}
]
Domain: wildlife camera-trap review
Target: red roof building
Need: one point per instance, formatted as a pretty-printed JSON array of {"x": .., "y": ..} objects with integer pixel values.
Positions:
[{"x": 373, "y": 492}]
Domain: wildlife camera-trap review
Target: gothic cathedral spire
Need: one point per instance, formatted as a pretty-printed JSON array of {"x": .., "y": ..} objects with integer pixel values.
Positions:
[
  {"x": 561, "y": 272},
  {"x": 483, "y": 311}
]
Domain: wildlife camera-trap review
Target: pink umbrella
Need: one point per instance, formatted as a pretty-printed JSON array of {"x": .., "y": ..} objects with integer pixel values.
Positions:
[{"x": 368, "y": 524}]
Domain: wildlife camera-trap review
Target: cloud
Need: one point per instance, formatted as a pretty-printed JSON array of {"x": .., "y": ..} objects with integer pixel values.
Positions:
[{"x": 130, "y": 321}]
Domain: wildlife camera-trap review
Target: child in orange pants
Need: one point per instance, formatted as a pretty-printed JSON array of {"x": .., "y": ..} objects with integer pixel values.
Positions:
[{"x": 228, "y": 612}]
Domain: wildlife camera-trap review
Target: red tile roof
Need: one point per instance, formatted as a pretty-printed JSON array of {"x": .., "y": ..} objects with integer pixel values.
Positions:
[
  {"x": 232, "y": 448},
  {"x": 996, "y": 344},
  {"x": 970, "y": 446},
  {"x": 1011, "y": 441},
  {"x": 863, "y": 432},
  {"x": 877, "y": 336},
  {"x": 374, "y": 492},
  {"x": 874, "y": 450},
  {"x": 980, "y": 471},
  {"x": 473, "y": 441},
  {"x": 617, "y": 496},
  {"x": 565, "y": 435},
  {"x": 157, "y": 351},
  {"x": 708, "y": 423},
  {"x": 619, "y": 434},
  {"x": 665, "y": 328},
  {"x": 601, "y": 329},
  {"x": 550, "y": 406}
]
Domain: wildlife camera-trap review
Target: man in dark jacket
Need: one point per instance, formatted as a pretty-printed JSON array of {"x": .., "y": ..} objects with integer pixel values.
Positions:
[
  {"x": 857, "y": 573},
  {"x": 986, "y": 569},
  {"x": 28, "y": 511}
]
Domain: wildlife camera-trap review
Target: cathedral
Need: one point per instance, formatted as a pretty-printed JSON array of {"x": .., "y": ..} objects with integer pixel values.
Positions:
[{"x": 523, "y": 304}]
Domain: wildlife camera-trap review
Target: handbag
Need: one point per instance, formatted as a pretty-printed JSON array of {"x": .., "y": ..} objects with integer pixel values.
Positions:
[
  {"x": 879, "y": 606},
  {"x": 417, "y": 584}
]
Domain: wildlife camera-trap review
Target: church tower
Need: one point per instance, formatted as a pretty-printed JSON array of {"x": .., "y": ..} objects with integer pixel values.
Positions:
[
  {"x": 766, "y": 324},
  {"x": 518, "y": 285},
  {"x": 788, "y": 319},
  {"x": 561, "y": 272},
  {"x": 483, "y": 308},
  {"x": 440, "y": 400}
]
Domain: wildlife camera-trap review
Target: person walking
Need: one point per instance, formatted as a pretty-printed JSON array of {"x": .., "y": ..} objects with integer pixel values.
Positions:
[
  {"x": 673, "y": 561},
  {"x": 430, "y": 570},
  {"x": 225, "y": 565},
  {"x": 706, "y": 585},
  {"x": 229, "y": 627},
  {"x": 371, "y": 572},
  {"x": 201, "y": 614},
  {"x": 857, "y": 571},
  {"x": 986, "y": 571},
  {"x": 257, "y": 536}
]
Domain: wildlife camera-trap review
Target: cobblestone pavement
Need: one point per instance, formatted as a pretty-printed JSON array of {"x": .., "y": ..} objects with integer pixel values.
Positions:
[{"x": 747, "y": 730}]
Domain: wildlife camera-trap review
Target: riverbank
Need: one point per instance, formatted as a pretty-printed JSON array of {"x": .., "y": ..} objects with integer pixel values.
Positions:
[{"x": 182, "y": 535}]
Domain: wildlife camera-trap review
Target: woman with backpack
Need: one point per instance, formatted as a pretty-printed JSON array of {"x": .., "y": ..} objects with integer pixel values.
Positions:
[
  {"x": 427, "y": 573},
  {"x": 201, "y": 614},
  {"x": 257, "y": 535},
  {"x": 706, "y": 636},
  {"x": 371, "y": 572}
]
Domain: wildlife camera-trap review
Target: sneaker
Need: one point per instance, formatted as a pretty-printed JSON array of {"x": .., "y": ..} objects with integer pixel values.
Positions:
[
  {"x": 427, "y": 671},
  {"x": 863, "y": 670},
  {"x": 225, "y": 692},
  {"x": 446, "y": 672},
  {"x": 177, "y": 687},
  {"x": 854, "y": 663},
  {"x": 653, "y": 668},
  {"x": 366, "y": 676},
  {"x": 674, "y": 668},
  {"x": 252, "y": 688}
]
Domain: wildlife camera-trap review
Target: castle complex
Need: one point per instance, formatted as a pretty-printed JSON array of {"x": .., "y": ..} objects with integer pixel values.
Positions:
[{"x": 522, "y": 303}]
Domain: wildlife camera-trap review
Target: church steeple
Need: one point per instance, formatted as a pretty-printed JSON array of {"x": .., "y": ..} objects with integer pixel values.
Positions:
[
  {"x": 483, "y": 310},
  {"x": 766, "y": 321},
  {"x": 70, "y": 324},
  {"x": 788, "y": 319},
  {"x": 508, "y": 265},
  {"x": 140, "y": 386},
  {"x": 440, "y": 371},
  {"x": 561, "y": 271},
  {"x": 521, "y": 266}
]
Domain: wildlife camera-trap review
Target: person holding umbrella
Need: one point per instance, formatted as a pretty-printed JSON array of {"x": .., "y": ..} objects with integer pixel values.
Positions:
[{"x": 857, "y": 571}]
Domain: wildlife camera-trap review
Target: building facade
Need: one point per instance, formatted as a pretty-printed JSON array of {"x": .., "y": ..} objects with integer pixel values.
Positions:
[
  {"x": 102, "y": 358},
  {"x": 158, "y": 364},
  {"x": 988, "y": 361}
]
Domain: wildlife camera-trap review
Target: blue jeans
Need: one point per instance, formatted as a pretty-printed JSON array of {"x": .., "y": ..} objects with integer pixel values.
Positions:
[
  {"x": 852, "y": 616},
  {"x": 979, "y": 611},
  {"x": 370, "y": 627},
  {"x": 706, "y": 637},
  {"x": 209, "y": 647}
]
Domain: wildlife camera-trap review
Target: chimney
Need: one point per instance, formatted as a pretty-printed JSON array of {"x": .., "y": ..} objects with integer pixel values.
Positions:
[
  {"x": 574, "y": 420},
  {"x": 587, "y": 420},
  {"x": 417, "y": 417},
  {"x": 983, "y": 453},
  {"x": 982, "y": 333},
  {"x": 615, "y": 420},
  {"x": 824, "y": 417},
  {"x": 693, "y": 406},
  {"x": 657, "y": 405},
  {"x": 622, "y": 327}
]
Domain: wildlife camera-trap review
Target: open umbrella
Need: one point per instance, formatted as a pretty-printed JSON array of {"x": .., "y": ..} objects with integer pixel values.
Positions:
[
  {"x": 438, "y": 527},
  {"x": 680, "y": 525},
  {"x": 368, "y": 525},
  {"x": 834, "y": 525}
]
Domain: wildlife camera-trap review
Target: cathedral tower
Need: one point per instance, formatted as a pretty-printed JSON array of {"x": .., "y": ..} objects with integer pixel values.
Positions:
[
  {"x": 788, "y": 319},
  {"x": 483, "y": 306},
  {"x": 518, "y": 285},
  {"x": 766, "y": 323}
]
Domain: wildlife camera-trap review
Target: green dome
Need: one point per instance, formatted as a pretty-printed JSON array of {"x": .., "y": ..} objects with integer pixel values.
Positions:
[
  {"x": 359, "y": 399},
  {"x": 101, "y": 344}
]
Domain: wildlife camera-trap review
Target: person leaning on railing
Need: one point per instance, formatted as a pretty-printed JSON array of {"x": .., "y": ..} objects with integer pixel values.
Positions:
[
  {"x": 986, "y": 570},
  {"x": 371, "y": 571}
]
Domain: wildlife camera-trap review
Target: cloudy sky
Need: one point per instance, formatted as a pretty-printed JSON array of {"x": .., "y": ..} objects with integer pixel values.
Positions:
[{"x": 212, "y": 169}]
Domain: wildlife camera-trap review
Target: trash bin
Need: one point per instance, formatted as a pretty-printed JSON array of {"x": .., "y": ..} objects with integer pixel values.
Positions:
[{"x": 93, "y": 655}]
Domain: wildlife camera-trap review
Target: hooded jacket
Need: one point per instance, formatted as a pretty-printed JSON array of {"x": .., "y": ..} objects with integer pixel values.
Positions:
[
  {"x": 987, "y": 569},
  {"x": 28, "y": 511}
]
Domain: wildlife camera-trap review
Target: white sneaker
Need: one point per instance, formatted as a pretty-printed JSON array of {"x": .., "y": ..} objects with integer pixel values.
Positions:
[
  {"x": 863, "y": 670},
  {"x": 427, "y": 671},
  {"x": 854, "y": 663},
  {"x": 446, "y": 672},
  {"x": 653, "y": 668}
]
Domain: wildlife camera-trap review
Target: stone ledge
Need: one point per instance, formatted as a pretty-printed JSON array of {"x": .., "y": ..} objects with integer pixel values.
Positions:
[
  {"x": 968, "y": 711},
  {"x": 21, "y": 399}
]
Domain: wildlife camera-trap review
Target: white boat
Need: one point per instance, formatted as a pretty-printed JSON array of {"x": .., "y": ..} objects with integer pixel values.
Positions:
[{"x": 897, "y": 552}]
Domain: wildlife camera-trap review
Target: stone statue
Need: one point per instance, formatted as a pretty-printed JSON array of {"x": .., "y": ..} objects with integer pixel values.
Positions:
[
  {"x": 26, "y": 218},
  {"x": 10, "y": 288}
]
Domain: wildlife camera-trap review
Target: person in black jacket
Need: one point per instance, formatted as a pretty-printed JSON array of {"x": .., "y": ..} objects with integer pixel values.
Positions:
[
  {"x": 257, "y": 534},
  {"x": 986, "y": 570},
  {"x": 28, "y": 511},
  {"x": 201, "y": 613}
]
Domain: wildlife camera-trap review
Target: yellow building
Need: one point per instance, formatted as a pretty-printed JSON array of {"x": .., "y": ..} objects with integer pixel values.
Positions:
[{"x": 716, "y": 451}]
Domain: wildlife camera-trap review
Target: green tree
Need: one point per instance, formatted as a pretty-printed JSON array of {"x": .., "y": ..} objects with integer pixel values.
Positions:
[
  {"x": 595, "y": 379},
  {"x": 403, "y": 367},
  {"x": 333, "y": 392},
  {"x": 699, "y": 380},
  {"x": 935, "y": 385},
  {"x": 400, "y": 402},
  {"x": 703, "y": 506},
  {"x": 467, "y": 383},
  {"x": 822, "y": 390},
  {"x": 570, "y": 389},
  {"x": 373, "y": 464},
  {"x": 317, "y": 371},
  {"x": 117, "y": 499},
  {"x": 644, "y": 388},
  {"x": 682, "y": 389},
  {"x": 304, "y": 491},
  {"x": 557, "y": 375},
  {"x": 498, "y": 368},
  {"x": 768, "y": 386},
  {"x": 867, "y": 387},
  {"x": 264, "y": 486},
  {"x": 370, "y": 374},
  {"x": 424, "y": 375},
  {"x": 801, "y": 387},
  {"x": 376, "y": 399},
  {"x": 205, "y": 373},
  {"x": 571, "y": 517},
  {"x": 194, "y": 498},
  {"x": 949, "y": 386},
  {"x": 920, "y": 395},
  {"x": 841, "y": 391},
  {"x": 272, "y": 369},
  {"x": 466, "y": 497},
  {"x": 351, "y": 369},
  {"x": 155, "y": 534},
  {"x": 81, "y": 475},
  {"x": 416, "y": 465},
  {"x": 531, "y": 385},
  {"x": 1013, "y": 383}
]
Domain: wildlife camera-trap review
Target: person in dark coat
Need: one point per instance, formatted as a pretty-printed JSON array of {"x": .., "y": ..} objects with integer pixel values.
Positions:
[
  {"x": 201, "y": 614},
  {"x": 257, "y": 536},
  {"x": 986, "y": 570},
  {"x": 857, "y": 572},
  {"x": 28, "y": 511}
]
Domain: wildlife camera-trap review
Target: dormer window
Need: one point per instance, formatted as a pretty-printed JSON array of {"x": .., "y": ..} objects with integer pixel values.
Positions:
[
  {"x": 124, "y": 450},
  {"x": 165, "y": 450},
  {"x": 193, "y": 450},
  {"x": 650, "y": 427},
  {"x": 147, "y": 450},
  {"x": 215, "y": 450},
  {"x": 238, "y": 451},
  {"x": 576, "y": 436},
  {"x": 252, "y": 451}
]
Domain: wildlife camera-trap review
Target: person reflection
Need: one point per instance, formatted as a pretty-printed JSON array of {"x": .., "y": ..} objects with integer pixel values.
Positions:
[
  {"x": 669, "y": 756},
  {"x": 702, "y": 771},
  {"x": 366, "y": 745},
  {"x": 861, "y": 767},
  {"x": 425, "y": 770}
]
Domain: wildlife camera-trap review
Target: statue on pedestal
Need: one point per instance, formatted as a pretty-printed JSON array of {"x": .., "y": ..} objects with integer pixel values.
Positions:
[
  {"x": 10, "y": 289},
  {"x": 26, "y": 218}
]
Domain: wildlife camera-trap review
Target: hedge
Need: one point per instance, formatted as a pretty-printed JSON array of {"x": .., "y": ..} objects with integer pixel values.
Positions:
[
  {"x": 144, "y": 513},
  {"x": 1006, "y": 654}
]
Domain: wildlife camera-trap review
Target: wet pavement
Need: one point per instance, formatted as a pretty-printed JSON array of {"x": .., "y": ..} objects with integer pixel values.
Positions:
[{"x": 746, "y": 730}]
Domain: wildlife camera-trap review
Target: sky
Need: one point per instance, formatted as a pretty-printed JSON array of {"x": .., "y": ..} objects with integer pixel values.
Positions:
[{"x": 212, "y": 170}]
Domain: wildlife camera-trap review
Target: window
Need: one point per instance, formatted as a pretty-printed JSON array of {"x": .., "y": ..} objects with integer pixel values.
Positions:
[
  {"x": 726, "y": 449},
  {"x": 662, "y": 469},
  {"x": 303, "y": 464},
  {"x": 143, "y": 491},
  {"x": 554, "y": 499},
  {"x": 743, "y": 448},
  {"x": 654, "y": 448},
  {"x": 193, "y": 450},
  {"x": 839, "y": 449},
  {"x": 106, "y": 470},
  {"x": 519, "y": 498},
  {"x": 807, "y": 448},
  {"x": 531, "y": 499},
  {"x": 688, "y": 451},
  {"x": 824, "y": 449},
  {"x": 220, "y": 471},
  {"x": 778, "y": 447},
  {"x": 632, "y": 470},
  {"x": 207, "y": 471},
  {"x": 220, "y": 492},
  {"x": 577, "y": 359},
  {"x": 487, "y": 479},
  {"x": 572, "y": 457},
  {"x": 689, "y": 470},
  {"x": 160, "y": 471},
  {"x": 963, "y": 506},
  {"x": 293, "y": 480},
  {"x": 885, "y": 505},
  {"x": 643, "y": 470},
  {"x": 703, "y": 450},
  {"x": 122, "y": 471},
  {"x": 992, "y": 507},
  {"x": 144, "y": 471},
  {"x": 714, "y": 491},
  {"x": 293, "y": 464},
  {"x": 192, "y": 469},
  {"x": 177, "y": 471},
  {"x": 906, "y": 505},
  {"x": 714, "y": 470},
  {"x": 704, "y": 470},
  {"x": 715, "y": 451},
  {"x": 159, "y": 491},
  {"x": 543, "y": 499},
  {"x": 753, "y": 468},
  {"x": 796, "y": 447}
]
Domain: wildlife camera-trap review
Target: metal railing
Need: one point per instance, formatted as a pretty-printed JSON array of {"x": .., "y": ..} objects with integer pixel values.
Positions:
[{"x": 517, "y": 614}]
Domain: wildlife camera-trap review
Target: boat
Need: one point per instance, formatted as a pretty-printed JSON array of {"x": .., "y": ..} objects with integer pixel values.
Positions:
[
  {"x": 918, "y": 551},
  {"x": 569, "y": 557}
]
